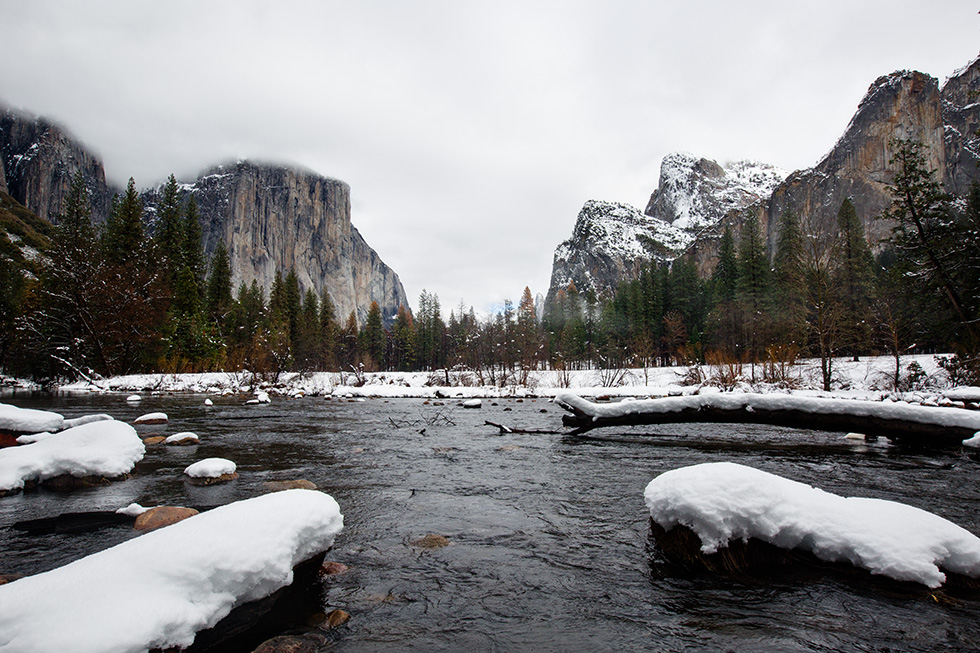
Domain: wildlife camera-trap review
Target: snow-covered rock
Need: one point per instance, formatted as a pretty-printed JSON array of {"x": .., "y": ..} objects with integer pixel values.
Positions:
[
  {"x": 160, "y": 589},
  {"x": 963, "y": 393},
  {"x": 611, "y": 240},
  {"x": 183, "y": 438},
  {"x": 106, "y": 448},
  {"x": 27, "y": 420},
  {"x": 210, "y": 467},
  {"x": 151, "y": 419},
  {"x": 722, "y": 502},
  {"x": 695, "y": 193}
]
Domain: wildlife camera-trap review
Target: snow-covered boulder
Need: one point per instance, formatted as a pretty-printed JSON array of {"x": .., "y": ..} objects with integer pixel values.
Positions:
[
  {"x": 211, "y": 471},
  {"x": 184, "y": 438},
  {"x": 21, "y": 421},
  {"x": 726, "y": 502},
  {"x": 108, "y": 449},
  {"x": 151, "y": 419},
  {"x": 963, "y": 393},
  {"x": 160, "y": 589}
]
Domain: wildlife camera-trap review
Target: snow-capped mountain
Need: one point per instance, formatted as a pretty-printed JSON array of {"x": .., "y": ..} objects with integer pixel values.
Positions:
[
  {"x": 694, "y": 193},
  {"x": 611, "y": 241}
]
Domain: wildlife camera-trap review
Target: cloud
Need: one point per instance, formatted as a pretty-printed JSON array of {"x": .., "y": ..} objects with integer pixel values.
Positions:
[{"x": 470, "y": 132}]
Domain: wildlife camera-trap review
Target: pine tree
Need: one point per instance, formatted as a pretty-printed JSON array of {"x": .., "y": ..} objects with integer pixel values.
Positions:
[
  {"x": 329, "y": 332},
  {"x": 725, "y": 275},
  {"x": 219, "y": 284},
  {"x": 789, "y": 311},
  {"x": 855, "y": 279},
  {"x": 373, "y": 336},
  {"x": 402, "y": 334},
  {"x": 192, "y": 252},
  {"x": 927, "y": 235},
  {"x": 753, "y": 287},
  {"x": 123, "y": 235},
  {"x": 170, "y": 229}
]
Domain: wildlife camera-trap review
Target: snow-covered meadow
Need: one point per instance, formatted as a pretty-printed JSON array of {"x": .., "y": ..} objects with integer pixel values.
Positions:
[{"x": 870, "y": 378}]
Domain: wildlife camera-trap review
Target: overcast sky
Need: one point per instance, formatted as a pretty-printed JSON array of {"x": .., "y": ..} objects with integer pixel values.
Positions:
[{"x": 471, "y": 133}]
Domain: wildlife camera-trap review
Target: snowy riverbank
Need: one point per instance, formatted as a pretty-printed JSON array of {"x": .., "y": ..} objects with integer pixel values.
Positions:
[{"x": 870, "y": 379}]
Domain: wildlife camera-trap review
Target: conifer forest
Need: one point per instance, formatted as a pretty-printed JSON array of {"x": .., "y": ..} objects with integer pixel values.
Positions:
[{"x": 134, "y": 295}]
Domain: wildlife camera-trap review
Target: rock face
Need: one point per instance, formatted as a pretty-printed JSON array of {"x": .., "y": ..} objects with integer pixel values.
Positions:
[
  {"x": 699, "y": 197},
  {"x": 39, "y": 159},
  {"x": 280, "y": 218},
  {"x": 695, "y": 193},
  {"x": 903, "y": 105},
  {"x": 269, "y": 217},
  {"x": 612, "y": 241}
]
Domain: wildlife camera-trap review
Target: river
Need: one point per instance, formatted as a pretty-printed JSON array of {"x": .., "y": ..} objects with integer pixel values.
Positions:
[{"x": 549, "y": 546}]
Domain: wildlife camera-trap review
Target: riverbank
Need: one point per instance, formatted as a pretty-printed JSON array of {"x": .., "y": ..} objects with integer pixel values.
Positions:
[{"x": 871, "y": 378}]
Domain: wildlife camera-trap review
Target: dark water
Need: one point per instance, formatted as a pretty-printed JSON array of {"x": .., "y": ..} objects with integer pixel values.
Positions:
[{"x": 550, "y": 548}]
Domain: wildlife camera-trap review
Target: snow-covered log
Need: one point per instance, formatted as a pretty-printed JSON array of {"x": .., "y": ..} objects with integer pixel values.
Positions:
[{"x": 921, "y": 425}]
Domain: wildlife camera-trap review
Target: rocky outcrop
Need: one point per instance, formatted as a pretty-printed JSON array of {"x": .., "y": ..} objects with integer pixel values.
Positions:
[
  {"x": 611, "y": 241},
  {"x": 701, "y": 198},
  {"x": 269, "y": 217},
  {"x": 695, "y": 193},
  {"x": 283, "y": 218},
  {"x": 903, "y": 105},
  {"x": 961, "y": 121},
  {"x": 39, "y": 159}
]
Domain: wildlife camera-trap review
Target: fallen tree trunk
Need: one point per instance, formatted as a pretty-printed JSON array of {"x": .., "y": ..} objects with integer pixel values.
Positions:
[{"x": 915, "y": 425}]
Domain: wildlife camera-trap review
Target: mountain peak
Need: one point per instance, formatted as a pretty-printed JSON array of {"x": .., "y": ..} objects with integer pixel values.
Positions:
[{"x": 695, "y": 193}]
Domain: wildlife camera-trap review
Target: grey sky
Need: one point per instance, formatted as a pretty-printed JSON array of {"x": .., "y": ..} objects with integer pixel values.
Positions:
[{"x": 471, "y": 133}]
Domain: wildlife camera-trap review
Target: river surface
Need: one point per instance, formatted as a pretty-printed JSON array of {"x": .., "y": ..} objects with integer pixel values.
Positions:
[{"x": 549, "y": 537}]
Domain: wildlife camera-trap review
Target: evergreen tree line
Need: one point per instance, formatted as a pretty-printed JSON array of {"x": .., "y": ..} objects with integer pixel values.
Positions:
[{"x": 114, "y": 300}]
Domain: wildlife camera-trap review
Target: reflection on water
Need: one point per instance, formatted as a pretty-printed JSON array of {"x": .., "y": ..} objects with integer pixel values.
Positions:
[{"x": 549, "y": 546}]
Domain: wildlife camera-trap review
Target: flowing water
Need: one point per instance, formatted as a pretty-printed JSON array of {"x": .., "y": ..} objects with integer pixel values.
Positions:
[{"x": 549, "y": 537}]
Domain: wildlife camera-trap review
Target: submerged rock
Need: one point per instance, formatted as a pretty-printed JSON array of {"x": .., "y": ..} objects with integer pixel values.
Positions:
[
  {"x": 431, "y": 541},
  {"x": 161, "y": 516},
  {"x": 296, "y": 484}
]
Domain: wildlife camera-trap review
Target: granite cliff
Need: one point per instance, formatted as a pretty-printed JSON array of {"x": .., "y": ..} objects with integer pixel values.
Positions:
[
  {"x": 39, "y": 159},
  {"x": 700, "y": 197},
  {"x": 611, "y": 241},
  {"x": 274, "y": 217},
  {"x": 269, "y": 217}
]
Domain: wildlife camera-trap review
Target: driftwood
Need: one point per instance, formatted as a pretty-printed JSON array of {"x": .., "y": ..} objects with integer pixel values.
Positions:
[
  {"x": 940, "y": 432},
  {"x": 507, "y": 429}
]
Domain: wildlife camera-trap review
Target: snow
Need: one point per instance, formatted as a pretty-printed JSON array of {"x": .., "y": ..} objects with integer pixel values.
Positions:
[
  {"x": 869, "y": 379},
  {"x": 105, "y": 448},
  {"x": 963, "y": 393},
  {"x": 148, "y": 597},
  {"x": 134, "y": 398},
  {"x": 722, "y": 502},
  {"x": 974, "y": 442},
  {"x": 183, "y": 435},
  {"x": 694, "y": 193},
  {"x": 26, "y": 420},
  {"x": 958, "y": 417},
  {"x": 86, "y": 419},
  {"x": 210, "y": 468},
  {"x": 133, "y": 510},
  {"x": 151, "y": 417}
]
